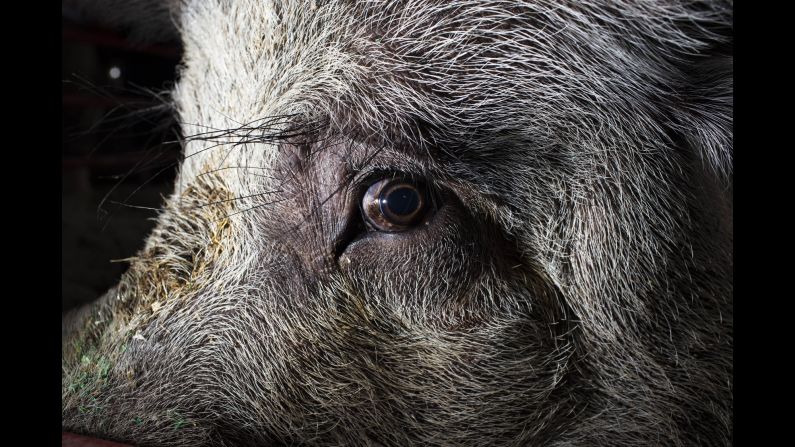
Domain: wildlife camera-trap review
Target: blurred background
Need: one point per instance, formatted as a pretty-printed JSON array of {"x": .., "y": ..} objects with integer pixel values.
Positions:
[{"x": 119, "y": 151}]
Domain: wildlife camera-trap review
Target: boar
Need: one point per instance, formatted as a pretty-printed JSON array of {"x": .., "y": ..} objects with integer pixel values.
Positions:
[{"x": 468, "y": 222}]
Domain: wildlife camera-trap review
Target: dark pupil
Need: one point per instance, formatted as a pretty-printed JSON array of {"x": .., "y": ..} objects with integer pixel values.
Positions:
[{"x": 402, "y": 201}]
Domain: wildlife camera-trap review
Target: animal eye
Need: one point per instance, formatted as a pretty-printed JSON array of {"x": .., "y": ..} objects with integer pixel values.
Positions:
[{"x": 395, "y": 204}]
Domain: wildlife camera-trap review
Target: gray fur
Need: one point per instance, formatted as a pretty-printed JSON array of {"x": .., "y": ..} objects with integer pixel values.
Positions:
[{"x": 574, "y": 289}]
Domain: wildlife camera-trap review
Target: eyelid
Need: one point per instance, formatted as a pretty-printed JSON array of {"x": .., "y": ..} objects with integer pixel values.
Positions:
[{"x": 362, "y": 179}]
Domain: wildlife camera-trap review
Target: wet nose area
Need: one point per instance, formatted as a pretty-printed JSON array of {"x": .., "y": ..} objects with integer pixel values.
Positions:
[{"x": 319, "y": 216}]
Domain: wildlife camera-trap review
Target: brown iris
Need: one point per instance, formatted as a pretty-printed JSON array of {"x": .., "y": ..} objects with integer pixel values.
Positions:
[{"x": 395, "y": 204}]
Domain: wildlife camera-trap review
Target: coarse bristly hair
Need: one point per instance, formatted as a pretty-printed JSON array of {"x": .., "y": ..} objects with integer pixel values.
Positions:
[{"x": 573, "y": 285}]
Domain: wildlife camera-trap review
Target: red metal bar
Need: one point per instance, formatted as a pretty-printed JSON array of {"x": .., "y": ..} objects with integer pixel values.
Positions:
[{"x": 73, "y": 440}]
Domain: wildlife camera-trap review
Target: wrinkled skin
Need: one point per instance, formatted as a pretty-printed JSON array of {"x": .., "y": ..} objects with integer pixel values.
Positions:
[{"x": 571, "y": 286}]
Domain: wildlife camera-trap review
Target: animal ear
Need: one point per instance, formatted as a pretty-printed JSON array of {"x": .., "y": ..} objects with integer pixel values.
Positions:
[
  {"x": 707, "y": 87},
  {"x": 146, "y": 21},
  {"x": 709, "y": 121}
]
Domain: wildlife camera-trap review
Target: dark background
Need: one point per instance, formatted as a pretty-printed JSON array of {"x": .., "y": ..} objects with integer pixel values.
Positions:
[{"x": 119, "y": 152}]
